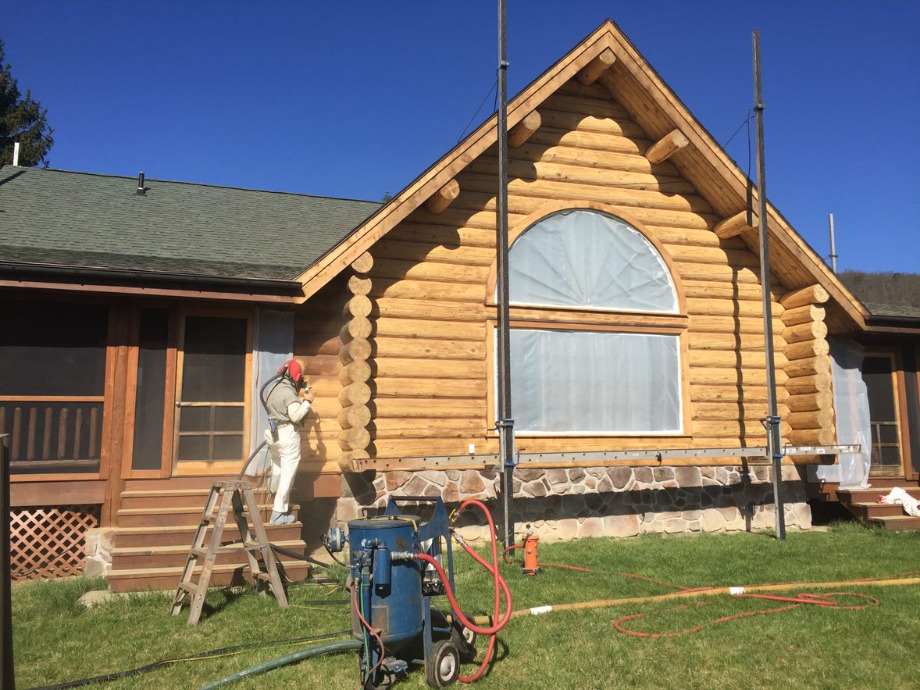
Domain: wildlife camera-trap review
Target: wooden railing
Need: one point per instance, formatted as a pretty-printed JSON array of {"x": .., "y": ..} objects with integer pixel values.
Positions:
[{"x": 51, "y": 433}]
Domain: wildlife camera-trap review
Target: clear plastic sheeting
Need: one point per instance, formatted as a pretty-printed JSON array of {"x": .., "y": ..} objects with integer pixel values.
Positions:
[
  {"x": 589, "y": 260},
  {"x": 851, "y": 407},
  {"x": 591, "y": 382},
  {"x": 273, "y": 342}
]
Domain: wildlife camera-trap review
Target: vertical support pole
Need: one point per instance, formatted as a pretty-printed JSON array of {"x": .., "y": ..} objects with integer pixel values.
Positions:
[
  {"x": 774, "y": 443},
  {"x": 504, "y": 423},
  {"x": 833, "y": 255},
  {"x": 7, "y": 679}
]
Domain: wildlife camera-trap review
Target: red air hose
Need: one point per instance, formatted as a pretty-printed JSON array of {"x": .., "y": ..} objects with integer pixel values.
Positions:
[{"x": 500, "y": 587}]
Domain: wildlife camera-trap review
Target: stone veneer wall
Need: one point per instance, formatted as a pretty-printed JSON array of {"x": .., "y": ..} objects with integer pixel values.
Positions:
[{"x": 562, "y": 504}]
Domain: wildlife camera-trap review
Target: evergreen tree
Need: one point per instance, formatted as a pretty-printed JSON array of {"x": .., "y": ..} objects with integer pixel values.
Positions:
[{"x": 23, "y": 120}]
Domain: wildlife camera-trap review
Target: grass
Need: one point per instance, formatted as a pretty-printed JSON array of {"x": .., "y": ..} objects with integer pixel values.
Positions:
[{"x": 56, "y": 640}]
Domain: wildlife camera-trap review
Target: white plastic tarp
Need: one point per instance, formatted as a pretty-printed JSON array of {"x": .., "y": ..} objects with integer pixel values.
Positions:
[
  {"x": 589, "y": 260},
  {"x": 851, "y": 408},
  {"x": 273, "y": 343},
  {"x": 594, "y": 382}
]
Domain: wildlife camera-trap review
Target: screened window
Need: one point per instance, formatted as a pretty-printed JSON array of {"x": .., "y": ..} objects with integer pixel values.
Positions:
[
  {"x": 576, "y": 365},
  {"x": 212, "y": 406},
  {"x": 878, "y": 373}
]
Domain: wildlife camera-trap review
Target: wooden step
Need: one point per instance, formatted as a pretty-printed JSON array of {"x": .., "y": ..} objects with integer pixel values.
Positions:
[
  {"x": 871, "y": 495},
  {"x": 897, "y": 522},
  {"x": 167, "y": 579},
  {"x": 174, "y": 498},
  {"x": 134, "y": 537},
  {"x": 144, "y": 557},
  {"x": 179, "y": 516},
  {"x": 865, "y": 511}
]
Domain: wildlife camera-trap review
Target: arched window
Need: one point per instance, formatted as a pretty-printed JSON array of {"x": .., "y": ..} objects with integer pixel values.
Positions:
[{"x": 595, "y": 329}]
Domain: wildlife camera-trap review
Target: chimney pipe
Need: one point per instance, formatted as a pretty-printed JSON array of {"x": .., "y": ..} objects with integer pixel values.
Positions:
[
  {"x": 16, "y": 154},
  {"x": 140, "y": 184}
]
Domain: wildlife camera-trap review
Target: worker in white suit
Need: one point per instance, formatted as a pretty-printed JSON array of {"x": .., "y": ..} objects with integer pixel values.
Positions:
[{"x": 288, "y": 404}]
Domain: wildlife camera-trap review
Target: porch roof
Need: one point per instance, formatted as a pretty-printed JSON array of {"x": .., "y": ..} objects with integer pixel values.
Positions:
[{"x": 73, "y": 220}]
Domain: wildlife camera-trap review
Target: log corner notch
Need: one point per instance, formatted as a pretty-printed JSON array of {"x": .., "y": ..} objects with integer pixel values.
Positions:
[
  {"x": 594, "y": 69},
  {"x": 667, "y": 146},
  {"x": 808, "y": 367},
  {"x": 355, "y": 370},
  {"x": 521, "y": 132},
  {"x": 736, "y": 224},
  {"x": 443, "y": 198}
]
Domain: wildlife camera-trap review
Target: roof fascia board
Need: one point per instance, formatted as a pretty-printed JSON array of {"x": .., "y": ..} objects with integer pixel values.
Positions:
[
  {"x": 703, "y": 143},
  {"x": 122, "y": 290},
  {"x": 449, "y": 166}
]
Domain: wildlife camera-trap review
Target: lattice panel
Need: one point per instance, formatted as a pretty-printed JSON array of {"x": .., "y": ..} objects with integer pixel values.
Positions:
[{"x": 49, "y": 542}]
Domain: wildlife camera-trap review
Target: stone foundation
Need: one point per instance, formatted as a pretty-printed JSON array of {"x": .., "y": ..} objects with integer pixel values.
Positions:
[
  {"x": 563, "y": 504},
  {"x": 97, "y": 548}
]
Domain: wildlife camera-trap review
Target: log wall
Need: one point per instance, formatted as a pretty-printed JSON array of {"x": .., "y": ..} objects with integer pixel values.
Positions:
[{"x": 426, "y": 369}]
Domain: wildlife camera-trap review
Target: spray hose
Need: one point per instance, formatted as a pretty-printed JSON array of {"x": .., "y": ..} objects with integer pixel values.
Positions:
[{"x": 501, "y": 587}]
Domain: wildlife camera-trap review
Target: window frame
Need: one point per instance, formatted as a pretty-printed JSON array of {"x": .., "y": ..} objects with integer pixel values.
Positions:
[{"x": 590, "y": 319}]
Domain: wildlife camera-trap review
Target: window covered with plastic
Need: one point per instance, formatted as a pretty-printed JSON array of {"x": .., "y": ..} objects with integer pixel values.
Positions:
[{"x": 583, "y": 381}]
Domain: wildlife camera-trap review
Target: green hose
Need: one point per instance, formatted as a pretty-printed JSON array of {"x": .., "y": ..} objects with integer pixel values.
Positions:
[{"x": 293, "y": 657}]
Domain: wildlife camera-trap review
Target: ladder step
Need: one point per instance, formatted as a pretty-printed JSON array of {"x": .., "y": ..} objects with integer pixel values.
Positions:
[{"x": 190, "y": 587}]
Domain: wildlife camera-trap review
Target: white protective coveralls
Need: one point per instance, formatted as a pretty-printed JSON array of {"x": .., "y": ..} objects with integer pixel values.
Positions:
[{"x": 288, "y": 411}]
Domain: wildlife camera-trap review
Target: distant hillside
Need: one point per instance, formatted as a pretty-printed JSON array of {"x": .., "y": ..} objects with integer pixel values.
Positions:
[{"x": 885, "y": 294}]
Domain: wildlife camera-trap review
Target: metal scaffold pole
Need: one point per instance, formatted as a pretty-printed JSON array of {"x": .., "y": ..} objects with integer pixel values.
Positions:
[
  {"x": 774, "y": 443},
  {"x": 504, "y": 423}
]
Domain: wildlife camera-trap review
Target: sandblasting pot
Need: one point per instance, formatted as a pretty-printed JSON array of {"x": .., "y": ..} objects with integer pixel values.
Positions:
[{"x": 392, "y": 602}]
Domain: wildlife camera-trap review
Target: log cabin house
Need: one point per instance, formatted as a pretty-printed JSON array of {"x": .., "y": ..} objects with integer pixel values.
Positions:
[{"x": 141, "y": 317}]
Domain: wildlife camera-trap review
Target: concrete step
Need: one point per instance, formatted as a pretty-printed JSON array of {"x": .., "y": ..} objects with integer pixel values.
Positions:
[
  {"x": 143, "y": 557},
  {"x": 167, "y": 579}
]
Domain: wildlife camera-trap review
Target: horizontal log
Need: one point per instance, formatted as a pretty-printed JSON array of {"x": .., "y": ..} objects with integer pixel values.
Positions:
[
  {"x": 600, "y": 64},
  {"x": 589, "y": 123},
  {"x": 552, "y": 138},
  {"x": 811, "y": 419},
  {"x": 350, "y": 461},
  {"x": 806, "y": 349},
  {"x": 667, "y": 146},
  {"x": 812, "y": 437},
  {"x": 813, "y": 294},
  {"x": 316, "y": 365},
  {"x": 753, "y": 431},
  {"x": 736, "y": 224},
  {"x": 453, "y": 253},
  {"x": 733, "y": 412},
  {"x": 356, "y": 350},
  {"x": 739, "y": 377},
  {"x": 355, "y": 394},
  {"x": 522, "y": 131},
  {"x": 404, "y": 408},
  {"x": 363, "y": 264},
  {"x": 427, "y": 428},
  {"x": 430, "y": 368},
  {"x": 357, "y": 371},
  {"x": 594, "y": 100},
  {"x": 356, "y": 438},
  {"x": 814, "y": 330},
  {"x": 430, "y": 289},
  {"x": 746, "y": 359},
  {"x": 443, "y": 198},
  {"x": 357, "y": 306},
  {"x": 731, "y": 324},
  {"x": 822, "y": 400},
  {"x": 359, "y": 285},
  {"x": 430, "y": 270},
  {"x": 429, "y": 348},
  {"x": 805, "y": 385},
  {"x": 747, "y": 395},
  {"x": 709, "y": 288},
  {"x": 430, "y": 387},
  {"x": 714, "y": 255},
  {"x": 725, "y": 274},
  {"x": 808, "y": 367},
  {"x": 458, "y": 229},
  {"x": 356, "y": 327},
  {"x": 316, "y": 346},
  {"x": 807, "y": 314},
  {"x": 419, "y": 448},
  {"x": 705, "y": 340},
  {"x": 429, "y": 310},
  {"x": 354, "y": 416},
  {"x": 724, "y": 307},
  {"x": 426, "y": 328}
]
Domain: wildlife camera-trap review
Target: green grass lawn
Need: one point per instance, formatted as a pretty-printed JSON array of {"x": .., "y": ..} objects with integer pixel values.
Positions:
[{"x": 57, "y": 640}]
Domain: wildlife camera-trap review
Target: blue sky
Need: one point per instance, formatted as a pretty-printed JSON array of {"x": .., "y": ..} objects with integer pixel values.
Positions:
[{"x": 355, "y": 99}]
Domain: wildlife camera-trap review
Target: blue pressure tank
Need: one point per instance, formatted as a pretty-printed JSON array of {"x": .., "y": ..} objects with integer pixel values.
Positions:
[{"x": 389, "y": 592}]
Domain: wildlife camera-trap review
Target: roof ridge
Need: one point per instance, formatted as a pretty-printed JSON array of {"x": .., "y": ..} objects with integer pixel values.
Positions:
[{"x": 197, "y": 184}]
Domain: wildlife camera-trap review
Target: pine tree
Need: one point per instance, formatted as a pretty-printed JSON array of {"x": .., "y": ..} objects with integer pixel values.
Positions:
[{"x": 23, "y": 120}]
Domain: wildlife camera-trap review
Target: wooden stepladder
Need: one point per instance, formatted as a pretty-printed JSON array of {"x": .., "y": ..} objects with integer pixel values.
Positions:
[{"x": 227, "y": 496}]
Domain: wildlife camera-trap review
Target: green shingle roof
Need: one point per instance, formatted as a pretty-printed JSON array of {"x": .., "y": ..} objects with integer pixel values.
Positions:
[{"x": 73, "y": 219}]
